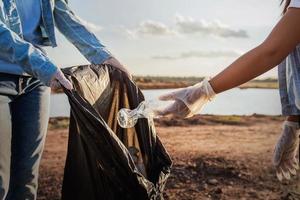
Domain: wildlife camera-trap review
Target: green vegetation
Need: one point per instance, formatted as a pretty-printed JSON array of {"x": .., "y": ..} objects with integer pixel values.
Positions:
[
  {"x": 58, "y": 123},
  {"x": 230, "y": 119},
  {"x": 153, "y": 79},
  {"x": 269, "y": 83},
  {"x": 169, "y": 82},
  {"x": 164, "y": 82}
]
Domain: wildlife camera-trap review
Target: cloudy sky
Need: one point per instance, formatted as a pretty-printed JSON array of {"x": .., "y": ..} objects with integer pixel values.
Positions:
[{"x": 173, "y": 37}]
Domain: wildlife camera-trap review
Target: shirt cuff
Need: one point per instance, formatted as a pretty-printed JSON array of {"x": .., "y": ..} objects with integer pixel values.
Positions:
[
  {"x": 47, "y": 72},
  {"x": 100, "y": 56}
]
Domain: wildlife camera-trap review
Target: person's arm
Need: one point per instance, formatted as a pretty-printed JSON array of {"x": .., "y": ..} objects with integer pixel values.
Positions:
[
  {"x": 84, "y": 40},
  {"x": 283, "y": 39},
  {"x": 14, "y": 49},
  {"x": 78, "y": 34}
]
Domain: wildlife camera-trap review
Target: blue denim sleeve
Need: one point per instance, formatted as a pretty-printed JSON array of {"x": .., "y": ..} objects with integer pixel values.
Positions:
[
  {"x": 14, "y": 49},
  {"x": 76, "y": 32}
]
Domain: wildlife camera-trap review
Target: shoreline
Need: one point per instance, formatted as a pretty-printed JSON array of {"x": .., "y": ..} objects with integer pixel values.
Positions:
[
  {"x": 156, "y": 82},
  {"x": 167, "y": 85},
  {"x": 56, "y": 123}
]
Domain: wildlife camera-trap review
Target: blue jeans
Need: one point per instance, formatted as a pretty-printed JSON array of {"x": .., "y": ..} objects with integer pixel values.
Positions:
[
  {"x": 289, "y": 83},
  {"x": 24, "y": 114}
]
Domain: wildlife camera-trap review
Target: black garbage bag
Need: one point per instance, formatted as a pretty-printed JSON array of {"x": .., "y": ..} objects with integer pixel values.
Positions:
[{"x": 105, "y": 161}]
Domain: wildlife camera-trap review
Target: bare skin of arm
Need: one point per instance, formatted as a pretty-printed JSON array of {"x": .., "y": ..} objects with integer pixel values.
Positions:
[{"x": 283, "y": 39}]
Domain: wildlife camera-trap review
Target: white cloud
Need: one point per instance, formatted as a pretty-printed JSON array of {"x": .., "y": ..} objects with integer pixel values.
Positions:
[
  {"x": 188, "y": 25},
  {"x": 150, "y": 28},
  {"x": 93, "y": 27},
  {"x": 185, "y": 26},
  {"x": 200, "y": 54}
]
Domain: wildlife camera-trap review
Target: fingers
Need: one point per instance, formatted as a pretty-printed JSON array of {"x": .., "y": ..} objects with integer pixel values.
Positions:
[
  {"x": 112, "y": 61},
  {"x": 66, "y": 83},
  {"x": 282, "y": 173},
  {"x": 176, "y": 109},
  {"x": 172, "y": 96},
  {"x": 296, "y": 164},
  {"x": 286, "y": 150},
  {"x": 55, "y": 84},
  {"x": 171, "y": 109},
  {"x": 285, "y": 162},
  {"x": 115, "y": 63},
  {"x": 285, "y": 171},
  {"x": 279, "y": 174},
  {"x": 60, "y": 77},
  {"x": 167, "y": 97},
  {"x": 293, "y": 171},
  {"x": 293, "y": 164}
]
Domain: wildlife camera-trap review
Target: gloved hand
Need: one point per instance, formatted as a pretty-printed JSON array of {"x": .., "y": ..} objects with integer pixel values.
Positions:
[
  {"x": 285, "y": 157},
  {"x": 188, "y": 101},
  {"x": 60, "y": 79},
  {"x": 115, "y": 63}
]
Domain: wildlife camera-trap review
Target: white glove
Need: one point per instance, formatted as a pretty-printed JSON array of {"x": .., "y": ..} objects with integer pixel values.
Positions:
[
  {"x": 60, "y": 79},
  {"x": 115, "y": 63},
  {"x": 285, "y": 157},
  {"x": 188, "y": 101}
]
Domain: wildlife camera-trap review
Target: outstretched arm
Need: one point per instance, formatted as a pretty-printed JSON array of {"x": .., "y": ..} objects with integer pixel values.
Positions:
[
  {"x": 84, "y": 40},
  {"x": 282, "y": 40}
]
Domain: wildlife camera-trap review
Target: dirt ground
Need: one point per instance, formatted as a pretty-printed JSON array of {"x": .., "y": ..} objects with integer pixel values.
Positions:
[{"x": 215, "y": 157}]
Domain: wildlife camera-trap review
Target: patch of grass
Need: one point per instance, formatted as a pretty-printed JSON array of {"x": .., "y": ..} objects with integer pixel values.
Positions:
[
  {"x": 261, "y": 84},
  {"x": 58, "y": 123},
  {"x": 230, "y": 119},
  {"x": 169, "y": 82},
  {"x": 162, "y": 82},
  {"x": 152, "y": 79}
]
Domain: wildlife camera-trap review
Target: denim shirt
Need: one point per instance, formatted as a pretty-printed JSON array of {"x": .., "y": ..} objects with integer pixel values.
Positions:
[
  {"x": 30, "y": 13},
  {"x": 14, "y": 49}
]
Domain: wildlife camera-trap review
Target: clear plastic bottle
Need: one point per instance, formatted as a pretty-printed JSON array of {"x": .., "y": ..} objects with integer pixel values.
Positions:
[{"x": 147, "y": 109}]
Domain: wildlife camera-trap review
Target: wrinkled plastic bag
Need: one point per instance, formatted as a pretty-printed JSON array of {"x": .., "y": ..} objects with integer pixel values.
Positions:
[{"x": 105, "y": 161}]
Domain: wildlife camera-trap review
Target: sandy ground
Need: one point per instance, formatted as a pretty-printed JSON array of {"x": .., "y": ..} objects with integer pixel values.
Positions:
[{"x": 214, "y": 157}]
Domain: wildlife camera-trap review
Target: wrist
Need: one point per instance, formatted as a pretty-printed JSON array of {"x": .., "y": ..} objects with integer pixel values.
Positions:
[
  {"x": 213, "y": 86},
  {"x": 202, "y": 90},
  {"x": 100, "y": 57},
  {"x": 48, "y": 73},
  {"x": 209, "y": 90}
]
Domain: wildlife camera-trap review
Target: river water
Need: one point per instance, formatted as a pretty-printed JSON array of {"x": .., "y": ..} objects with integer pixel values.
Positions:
[{"x": 233, "y": 102}]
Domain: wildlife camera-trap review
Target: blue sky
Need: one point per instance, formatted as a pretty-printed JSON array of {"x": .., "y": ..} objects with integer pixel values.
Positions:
[{"x": 173, "y": 37}]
